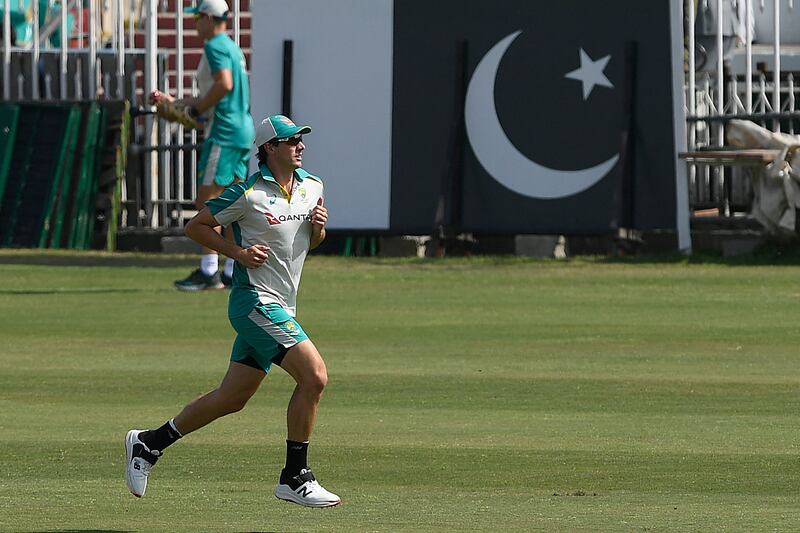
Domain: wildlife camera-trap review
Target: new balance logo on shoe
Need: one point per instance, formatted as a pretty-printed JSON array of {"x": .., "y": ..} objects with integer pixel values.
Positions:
[{"x": 304, "y": 489}]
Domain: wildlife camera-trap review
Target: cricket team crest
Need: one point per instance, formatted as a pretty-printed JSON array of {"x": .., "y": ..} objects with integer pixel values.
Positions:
[{"x": 290, "y": 328}]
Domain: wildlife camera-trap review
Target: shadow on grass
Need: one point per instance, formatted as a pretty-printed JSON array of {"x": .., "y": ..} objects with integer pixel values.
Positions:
[
  {"x": 111, "y": 531},
  {"x": 80, "y": 531},
  {"x": 89, "y": 258},
  {"x": 772, "y": 252},
  {"x": 81, "y": 290}
]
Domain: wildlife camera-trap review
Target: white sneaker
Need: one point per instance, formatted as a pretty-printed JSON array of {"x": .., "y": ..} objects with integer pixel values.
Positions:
[
  {"x": 304, "y": 489},
  {"x": 139, "y": 462}
]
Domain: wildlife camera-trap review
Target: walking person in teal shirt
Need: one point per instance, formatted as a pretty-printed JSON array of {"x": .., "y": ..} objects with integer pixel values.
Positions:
[{"x": 224, "y": 107}]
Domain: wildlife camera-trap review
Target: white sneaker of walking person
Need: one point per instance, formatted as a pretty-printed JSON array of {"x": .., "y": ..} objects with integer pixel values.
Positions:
[
  {"x": 140, "y": 459},
  {"x": 303, "y": 489}
]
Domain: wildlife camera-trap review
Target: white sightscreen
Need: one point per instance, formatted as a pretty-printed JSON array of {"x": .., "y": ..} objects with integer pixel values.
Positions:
[{"x": 342, "y": 87}]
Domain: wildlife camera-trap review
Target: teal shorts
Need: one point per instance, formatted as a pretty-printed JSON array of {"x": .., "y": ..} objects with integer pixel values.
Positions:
[
  {"x": 264, "y": 336},
  {"x": 221, "y": 165}
]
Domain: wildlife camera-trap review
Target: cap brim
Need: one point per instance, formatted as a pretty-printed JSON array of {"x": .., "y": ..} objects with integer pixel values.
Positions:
[{"x": 299, "y": 130}]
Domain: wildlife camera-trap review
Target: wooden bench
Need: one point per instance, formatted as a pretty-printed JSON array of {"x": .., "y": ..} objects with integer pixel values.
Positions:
[{"x": 744, "y": 157}]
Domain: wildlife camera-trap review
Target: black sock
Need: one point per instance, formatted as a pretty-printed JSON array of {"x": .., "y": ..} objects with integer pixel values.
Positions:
[
  {"x": 296, "y": 458},
  {"x": 159, "y": 439}
]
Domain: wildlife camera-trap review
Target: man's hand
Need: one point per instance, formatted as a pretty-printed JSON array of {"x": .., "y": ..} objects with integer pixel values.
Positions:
[
  {"x": 319, "y": 215},
  {"x": 254, "y": 256},
  {"x": 157, "y": 97}
]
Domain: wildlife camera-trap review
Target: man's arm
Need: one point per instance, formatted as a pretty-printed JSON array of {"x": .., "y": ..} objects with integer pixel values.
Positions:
[
  {"x": 223, "y": 84},
  {"x": 202, "y": 229},
  {"x": 319, "y": 217}
]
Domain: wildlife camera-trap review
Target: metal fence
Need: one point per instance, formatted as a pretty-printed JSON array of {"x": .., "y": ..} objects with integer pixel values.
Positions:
[
  {"x": 733, "y": 73},
  {"x": 98, "y": 59}
]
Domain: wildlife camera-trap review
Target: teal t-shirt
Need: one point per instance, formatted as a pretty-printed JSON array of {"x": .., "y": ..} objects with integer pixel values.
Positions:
[{"x": 232, "y": 124}]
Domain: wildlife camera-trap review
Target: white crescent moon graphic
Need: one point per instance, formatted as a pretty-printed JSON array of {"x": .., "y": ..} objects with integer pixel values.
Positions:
[{"x": 500, "y": 157}]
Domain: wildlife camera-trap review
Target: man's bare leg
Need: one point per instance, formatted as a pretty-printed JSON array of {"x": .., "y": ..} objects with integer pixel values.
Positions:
[
  {"x": 304, "y": 363},
  {"x": 143, "y": 448},
  {"x": 237, "y": 387},
  {"x": 297, "y": 483}
]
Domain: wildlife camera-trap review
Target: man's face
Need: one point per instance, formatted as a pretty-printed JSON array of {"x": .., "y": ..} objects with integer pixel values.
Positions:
[
  {"x": 289, "y": 153},
  {"x": 204, "y": 25}
]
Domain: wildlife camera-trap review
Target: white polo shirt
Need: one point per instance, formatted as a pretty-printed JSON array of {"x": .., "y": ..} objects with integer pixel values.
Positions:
[{"x": 259, "y": 212}]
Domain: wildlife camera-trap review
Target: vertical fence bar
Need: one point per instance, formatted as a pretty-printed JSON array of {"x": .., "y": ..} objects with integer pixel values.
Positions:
[
  {"x": 237, "y": 27},
  {"x": 150, "y": 75},
  {"x": 80, "y": 23},
  {"x": 194, "y": 154},
  {"x": 165, "y": 188},
  {"x": 179, "y": 166},
  {"x": 720, "y": 73},
  {"x": 35, "y": 52},
  {"x": 717, "y": 184},
  {"x": 120, "y": 40},
  {"x": 790, "y": 104},
  {"x": 131, "y": 25},
  {"x": 7, "y": 51},
  {"x": 776, "y": 93},
  {"x": 63, "y": 52},
  {"x": 91, "y": 92},
  {"x": 76, "y": 78},
  {"x": 691, "y": 98},
  {"x": 749, "y": 32}
]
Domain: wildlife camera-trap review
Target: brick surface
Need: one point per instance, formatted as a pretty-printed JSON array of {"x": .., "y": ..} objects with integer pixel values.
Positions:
[
  {"x": 168, "y": 22},
  {"x": 192, "y": 44}
]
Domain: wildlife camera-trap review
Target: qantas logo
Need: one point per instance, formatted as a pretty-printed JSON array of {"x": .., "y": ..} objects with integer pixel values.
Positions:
[
  {"x": 300, "y": 218},
  {"x": 271, "y": 218}
]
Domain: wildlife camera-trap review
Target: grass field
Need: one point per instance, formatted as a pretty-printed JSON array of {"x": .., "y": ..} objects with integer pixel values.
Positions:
[{"x": 465, "y": 395}]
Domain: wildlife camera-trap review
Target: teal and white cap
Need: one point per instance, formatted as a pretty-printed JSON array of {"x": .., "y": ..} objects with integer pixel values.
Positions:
[
  {"x": 278, "y": 128},
  {"x": 215, "y": 8}
]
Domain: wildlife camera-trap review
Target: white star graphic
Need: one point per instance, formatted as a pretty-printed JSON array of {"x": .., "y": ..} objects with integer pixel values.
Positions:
[{"x": 590, "y": 73}]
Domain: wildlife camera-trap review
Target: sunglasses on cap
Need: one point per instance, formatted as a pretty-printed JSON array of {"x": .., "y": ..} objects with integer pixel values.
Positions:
[{"x": 291, "y": 141}]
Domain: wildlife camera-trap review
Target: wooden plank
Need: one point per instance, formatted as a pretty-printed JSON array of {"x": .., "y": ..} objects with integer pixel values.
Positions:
[{"x": 752, "y": 156}]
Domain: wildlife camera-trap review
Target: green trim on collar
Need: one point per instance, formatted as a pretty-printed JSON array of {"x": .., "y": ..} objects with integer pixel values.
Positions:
[
  {"x": 300, "y": 174},
  {"x": 265, "y": 173}
]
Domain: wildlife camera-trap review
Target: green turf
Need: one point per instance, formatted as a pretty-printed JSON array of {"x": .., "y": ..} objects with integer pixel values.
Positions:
[{"x": 465, "y": 395}]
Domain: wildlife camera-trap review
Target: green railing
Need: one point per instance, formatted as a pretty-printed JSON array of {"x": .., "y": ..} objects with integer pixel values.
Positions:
[{"x": 52, "y": 158}]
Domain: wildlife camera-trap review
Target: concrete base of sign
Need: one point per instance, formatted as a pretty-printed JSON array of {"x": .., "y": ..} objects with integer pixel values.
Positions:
[{"x": 541, "y": 246}]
